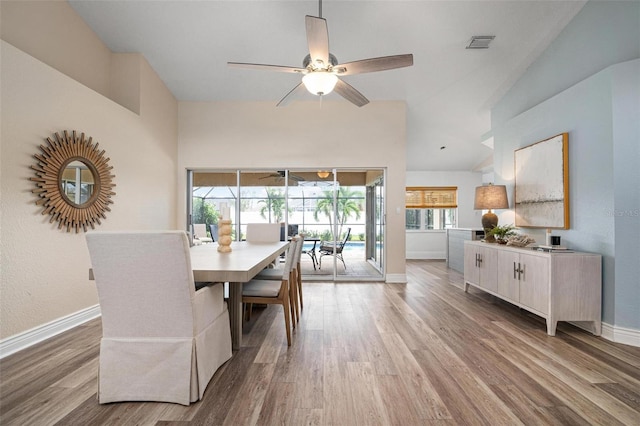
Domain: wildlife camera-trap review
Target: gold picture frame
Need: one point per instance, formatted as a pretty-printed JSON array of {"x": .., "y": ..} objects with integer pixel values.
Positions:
[{"x": 542, "y": 184}]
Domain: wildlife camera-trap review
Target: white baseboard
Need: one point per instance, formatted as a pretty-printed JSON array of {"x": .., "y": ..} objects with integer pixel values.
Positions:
[
  {"x": 396, "y": 279},
  {"x": 425, "y": 255},
  {"x": 627, "y": 336},
  {"x": 28, "y": 338}
]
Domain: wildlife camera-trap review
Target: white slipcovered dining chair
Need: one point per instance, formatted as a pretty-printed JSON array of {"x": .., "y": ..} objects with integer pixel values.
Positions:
[
  {"x": 161, "y": 339},
  {"x": 263, "y": 232}
]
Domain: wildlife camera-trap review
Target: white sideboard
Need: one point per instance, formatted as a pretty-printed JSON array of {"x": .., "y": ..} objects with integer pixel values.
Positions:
[{"x": 558, "y": 286}]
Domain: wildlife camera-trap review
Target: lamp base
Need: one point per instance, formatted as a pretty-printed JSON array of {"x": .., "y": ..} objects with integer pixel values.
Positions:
[{"x": 489, "y": 221}]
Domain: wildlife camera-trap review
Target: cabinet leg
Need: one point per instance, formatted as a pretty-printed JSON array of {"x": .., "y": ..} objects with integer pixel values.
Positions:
[
  {"x": 466, "y": 286},
  {"x": 551, "y": 326},
  {"x": 597, "y": 328}
]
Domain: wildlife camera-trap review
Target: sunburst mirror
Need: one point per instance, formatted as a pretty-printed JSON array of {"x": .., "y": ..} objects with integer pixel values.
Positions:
[{"x": 74, "y": 181}]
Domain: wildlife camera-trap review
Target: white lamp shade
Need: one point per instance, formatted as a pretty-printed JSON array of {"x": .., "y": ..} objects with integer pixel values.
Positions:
[{"x": 320, "y": 82}]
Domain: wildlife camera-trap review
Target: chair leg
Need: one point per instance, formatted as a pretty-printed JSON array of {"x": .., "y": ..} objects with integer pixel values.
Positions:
[
  {"x": 294, "y": 286},
  {"x": 248, "y": 307},
  {"x": 299, "y": 281},
  {"x": 292, "y": 305},
  {"x": 339, "y": 256},
  {"x": 287, "y": 323}
]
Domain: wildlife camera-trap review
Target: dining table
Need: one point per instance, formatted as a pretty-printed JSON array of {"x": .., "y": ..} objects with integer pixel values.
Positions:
[{"x": 240, "y": 265}]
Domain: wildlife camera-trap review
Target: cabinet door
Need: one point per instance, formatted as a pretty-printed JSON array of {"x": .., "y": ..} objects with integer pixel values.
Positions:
[
  {"x": 534, "y": 282},
  {"x": 508, "y": 282},
  {"x": 488, "y": 268},
  {"x": 471, "y": 271}
]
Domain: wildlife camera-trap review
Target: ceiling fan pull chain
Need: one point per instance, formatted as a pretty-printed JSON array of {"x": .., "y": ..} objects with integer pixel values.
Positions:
[{"x": 320, "y": 8}]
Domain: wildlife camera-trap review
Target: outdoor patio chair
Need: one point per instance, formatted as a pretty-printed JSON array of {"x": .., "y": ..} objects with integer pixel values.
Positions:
[
  {"x": 200, "y": 232},
  {"x": 331, "y": 248}
]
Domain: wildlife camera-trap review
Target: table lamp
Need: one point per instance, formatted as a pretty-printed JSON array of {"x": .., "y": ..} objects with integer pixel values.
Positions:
[{"x": 490, "y": 197}]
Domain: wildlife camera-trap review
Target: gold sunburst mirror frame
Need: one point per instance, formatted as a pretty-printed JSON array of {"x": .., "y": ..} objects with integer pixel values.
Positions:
[{"x": 63, "y": 156}]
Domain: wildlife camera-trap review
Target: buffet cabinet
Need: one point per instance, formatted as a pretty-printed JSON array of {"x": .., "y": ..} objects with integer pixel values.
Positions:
[{"x": 558, "y": 286}]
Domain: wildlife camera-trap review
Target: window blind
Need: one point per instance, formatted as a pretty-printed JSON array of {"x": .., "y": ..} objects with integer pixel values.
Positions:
[{"x": 430, "y": 197}]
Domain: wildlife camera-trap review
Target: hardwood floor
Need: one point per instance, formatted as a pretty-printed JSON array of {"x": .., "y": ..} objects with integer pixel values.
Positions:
[{"x": 363, "y": 354}]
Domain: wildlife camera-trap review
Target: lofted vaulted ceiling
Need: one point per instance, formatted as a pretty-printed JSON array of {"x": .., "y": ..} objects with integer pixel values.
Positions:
[{"x": 449, "y": 91}]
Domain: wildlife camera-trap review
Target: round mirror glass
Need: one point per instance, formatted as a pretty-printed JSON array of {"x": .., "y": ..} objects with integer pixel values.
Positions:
[{"x": 77, "y": 182}]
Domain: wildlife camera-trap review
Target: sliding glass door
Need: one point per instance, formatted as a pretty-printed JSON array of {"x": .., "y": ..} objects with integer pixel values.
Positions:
[{"x": 339, "y": 211}]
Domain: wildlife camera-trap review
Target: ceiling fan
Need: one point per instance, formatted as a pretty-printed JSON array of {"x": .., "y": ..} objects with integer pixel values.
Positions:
[
  {"x": 320, "y": 68},
  {"x": 280, "y": 174}
]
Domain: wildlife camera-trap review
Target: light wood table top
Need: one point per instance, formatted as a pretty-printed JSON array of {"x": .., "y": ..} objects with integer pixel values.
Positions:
[{"x": 240, "y": 265}]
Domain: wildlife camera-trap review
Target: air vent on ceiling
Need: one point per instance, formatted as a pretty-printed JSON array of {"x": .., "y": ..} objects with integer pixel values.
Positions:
[{"x": 480, "y": 42}]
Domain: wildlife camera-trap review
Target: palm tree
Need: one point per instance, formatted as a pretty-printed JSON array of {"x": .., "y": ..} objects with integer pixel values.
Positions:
[
  {"x": 348, "y": 205},
  {"x": 275, "y": 203}
]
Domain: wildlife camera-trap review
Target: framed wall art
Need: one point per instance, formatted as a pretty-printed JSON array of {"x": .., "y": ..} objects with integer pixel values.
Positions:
[{"x": 542, "y": 184}]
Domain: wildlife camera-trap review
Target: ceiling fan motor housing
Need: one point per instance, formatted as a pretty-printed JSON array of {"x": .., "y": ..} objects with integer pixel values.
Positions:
[{"x": 332, "y": 60}]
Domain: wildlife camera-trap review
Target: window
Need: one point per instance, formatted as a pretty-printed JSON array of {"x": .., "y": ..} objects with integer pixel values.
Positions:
[{"x": 431, "y": 208}]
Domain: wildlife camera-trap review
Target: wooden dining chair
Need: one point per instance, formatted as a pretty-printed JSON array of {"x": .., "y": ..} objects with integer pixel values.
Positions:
[
  {"x": 295, "y": 293},
  {"x": 274, "y": 291}
]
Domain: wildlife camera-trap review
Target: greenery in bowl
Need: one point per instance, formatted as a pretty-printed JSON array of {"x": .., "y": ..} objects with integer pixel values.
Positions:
[{"x": 501, "y": 233}]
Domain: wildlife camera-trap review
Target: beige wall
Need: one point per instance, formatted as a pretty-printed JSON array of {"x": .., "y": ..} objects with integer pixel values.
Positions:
[
  {"x": 305, "y": 135},
  {"x": 44, "y": 270},
  {"x": 52, "y": 32}
]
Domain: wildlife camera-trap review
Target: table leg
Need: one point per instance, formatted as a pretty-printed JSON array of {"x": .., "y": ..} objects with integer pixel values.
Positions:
[{"x": 235, "y": 314}]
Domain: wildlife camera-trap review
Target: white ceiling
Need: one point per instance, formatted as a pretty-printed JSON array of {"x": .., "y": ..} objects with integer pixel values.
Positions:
[{"x": 449, "y": 91}]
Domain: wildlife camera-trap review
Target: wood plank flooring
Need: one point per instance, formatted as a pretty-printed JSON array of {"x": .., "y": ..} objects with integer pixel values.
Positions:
[{"x": 420, "y": 353}]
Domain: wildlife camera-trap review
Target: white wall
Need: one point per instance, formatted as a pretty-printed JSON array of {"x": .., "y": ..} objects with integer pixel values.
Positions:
[
  {"x": 337, "y": 134},
  {"x": 626, "y": 201},
  {"x": 433, "y": 244},
  {"x": 44, "y": 271}
]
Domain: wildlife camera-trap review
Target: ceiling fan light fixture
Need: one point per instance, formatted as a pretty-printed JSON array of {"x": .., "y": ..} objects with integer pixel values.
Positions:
[{"x": 320, "y": 82}]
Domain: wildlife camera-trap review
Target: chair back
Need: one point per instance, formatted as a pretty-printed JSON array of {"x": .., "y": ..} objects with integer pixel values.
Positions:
[
  {"x": 213, "y": 229},
  {"x": 200, "y": 230},
  {"x": 263, "y": 232},
  {"x": 346, "y": 238},
  {"x": 290, "y": 261},
  {"x": 145, "y": 283},
  {"x": 299, "y": 248}
]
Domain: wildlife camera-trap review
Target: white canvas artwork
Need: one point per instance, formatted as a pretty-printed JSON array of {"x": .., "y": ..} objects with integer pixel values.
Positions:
[{"x": 541, "y": 174}]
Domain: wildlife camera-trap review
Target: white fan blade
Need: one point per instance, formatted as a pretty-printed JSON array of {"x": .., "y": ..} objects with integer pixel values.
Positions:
[
  {"x": 263, "y": 67},
  {"x": 374, "y": 64},
  {"x": 349, "y": 93},
  {"x": 289, "y": 96},
  {"x": 318, "y": 39}
]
